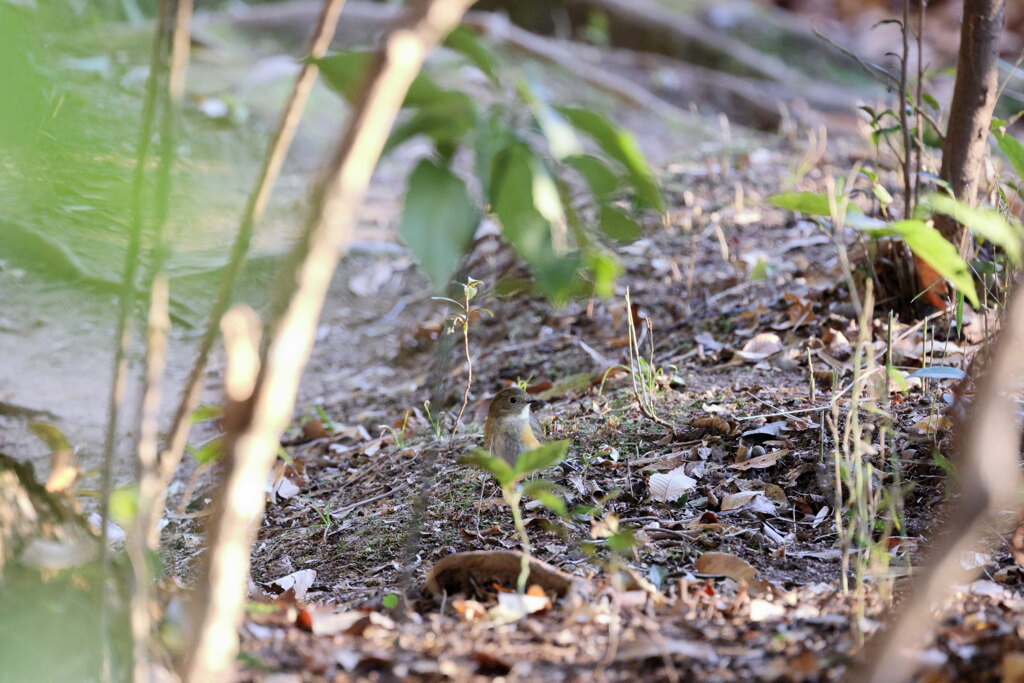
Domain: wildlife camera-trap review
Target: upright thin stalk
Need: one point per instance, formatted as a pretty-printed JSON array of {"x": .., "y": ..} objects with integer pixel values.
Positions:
[
  {"x": 122, "y": 335},
  {"x": 156, "y": 355},
  {"x": 254, "y": 438},
  {"x": 908, "y": 159},
  {"x": 326, "y": 25}
]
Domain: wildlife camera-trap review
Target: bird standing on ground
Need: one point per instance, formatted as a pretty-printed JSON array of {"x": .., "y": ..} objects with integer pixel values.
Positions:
[{"x": 511, "y": 428}]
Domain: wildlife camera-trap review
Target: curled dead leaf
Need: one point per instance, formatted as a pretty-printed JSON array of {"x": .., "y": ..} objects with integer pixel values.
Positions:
[
  {"x": 671, "y": 485},
  {"x": 714, "y": 422}
]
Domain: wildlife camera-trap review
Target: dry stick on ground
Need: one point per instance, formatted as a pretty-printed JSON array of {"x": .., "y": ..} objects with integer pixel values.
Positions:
[
  {"x": 170, "y": 457},
  {"x": 990, "y": 478},
  {"x": 254, "y": 437},
  {"x": 970, "y": 111}
]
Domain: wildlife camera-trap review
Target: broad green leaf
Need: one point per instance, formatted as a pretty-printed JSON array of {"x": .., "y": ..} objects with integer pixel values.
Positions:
[
  {"x": 897, "y": 377},
  {"x": 811, "y": 203},
  {"x": 545, "y": 492},
  {"x": 446, "y": 120},
  {"x": 496, "y": 467},
  {"x": 601, "y": 179},
  {"x": 604, "y": 269},
  {"x": 514, "y": 202},
  {"x": 465, "y": 41},
  {"x": 345, "y": 72},
  {"x": 541, "y": 457},
  {"x": 438, "y": 221},
  {"x": 562, "y": 140},
  {"x": 930, "y": 246},
  {"x": 618, "y": 226},
  {"x": 209, "y": 452},
  {"x": 546, "y": 198},
  {"x": 621, "y": 146},
  {"x": 939, "y": 372},
  {"x": 493, "y": 136},
  {"x": 389, "y": 601},
  {"x": 987, "y": 223},
  {"x": 205, "y": 412},
  {"x": 1014, "y": 151}
]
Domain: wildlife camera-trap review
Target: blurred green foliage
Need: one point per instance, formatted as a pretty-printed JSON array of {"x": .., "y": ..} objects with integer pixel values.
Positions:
[{"x": 527, "y": 159}]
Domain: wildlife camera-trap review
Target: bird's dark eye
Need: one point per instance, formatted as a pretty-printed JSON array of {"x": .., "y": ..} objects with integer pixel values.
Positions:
[{"x": 513, "y": 399}]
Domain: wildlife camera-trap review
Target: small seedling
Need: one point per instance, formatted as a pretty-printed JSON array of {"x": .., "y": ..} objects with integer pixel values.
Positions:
[
  {"x": 511, "y": 480},
  {"x": 462, "y": 318}
]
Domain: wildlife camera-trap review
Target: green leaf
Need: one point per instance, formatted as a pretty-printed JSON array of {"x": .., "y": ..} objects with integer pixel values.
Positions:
[
  {"x": 345, "y": 72},
  {"x": 438, "y": 220},
  {"x": 541, "y": 457},
  {"x": 209, "y": 452},
  {"x": 446, "y": 120},
  {"x": 124, "y": 504},
  {"x": 514, "y": 202},
  {"x": 50, "y": 435},
  {"x": 562, "y": 140},
  {"x": 939, "y": 372},
  {"x": 930, "y": 100},
  {"x": 811, "y": 203},
  {"x": 989, "y": 224},
  {"x": 1014, "y": 151},
  {"x": 545, "y": 492},
  {"x": 389, "y": 601},
  {"x": 604, "y": 269},
  {"x": 206, "y": 412},
  {"x": 618, "y": 226},
  {"x": 928, "y": 244},
  {"x": 621, "y": 146},
  {"x": 465, "y": 41},
  {"x": 601, "y": 179},
  {"x": 493, "y": 137},
  {"x": 496, "y": 467}
]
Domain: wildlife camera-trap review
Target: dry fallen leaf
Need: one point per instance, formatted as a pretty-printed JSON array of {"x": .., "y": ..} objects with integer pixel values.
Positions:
[
  {"x": 761, "y": 461},
  {"x": 469, "y": 610},
  {"x": 671, "y": 485},
  {"x": 748, "y": 500},
  {"x": 300, "y": 581},
  {"x": 760, "y": 346}
]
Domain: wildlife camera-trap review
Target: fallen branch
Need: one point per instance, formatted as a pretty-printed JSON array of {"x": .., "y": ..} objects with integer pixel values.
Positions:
[{"x": 254, "y": 436}]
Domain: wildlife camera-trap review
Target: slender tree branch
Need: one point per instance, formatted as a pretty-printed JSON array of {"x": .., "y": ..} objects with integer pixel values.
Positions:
[
  {"x": 156, "y": 355},
  {"x": 254, "y": 437},
  {"x": 171, "y": 456},
  {"x": 990, "y": 478}
]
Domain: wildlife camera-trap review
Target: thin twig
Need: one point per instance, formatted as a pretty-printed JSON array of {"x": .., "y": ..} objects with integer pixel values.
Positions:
[
  {"x": 122, "y": 334},
  {"x": 908, "y": 161},
  {"x": 254, "y": 434},
  {"x": 137, "y": 541},
  {"x": 326, "y": 25}
]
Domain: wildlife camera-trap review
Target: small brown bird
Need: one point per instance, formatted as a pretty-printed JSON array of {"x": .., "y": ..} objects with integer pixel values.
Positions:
[{"x": 511, "y": 428}]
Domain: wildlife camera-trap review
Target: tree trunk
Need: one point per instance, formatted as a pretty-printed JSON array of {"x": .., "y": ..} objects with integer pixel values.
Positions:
[{"x": 970, "y": 112}]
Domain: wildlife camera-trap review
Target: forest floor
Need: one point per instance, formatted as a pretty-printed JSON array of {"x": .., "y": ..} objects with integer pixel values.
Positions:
[{"x": 703, "y": 547}]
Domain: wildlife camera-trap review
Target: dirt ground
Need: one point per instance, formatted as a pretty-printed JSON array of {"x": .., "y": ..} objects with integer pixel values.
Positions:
[{"x": 739, "y": 295}]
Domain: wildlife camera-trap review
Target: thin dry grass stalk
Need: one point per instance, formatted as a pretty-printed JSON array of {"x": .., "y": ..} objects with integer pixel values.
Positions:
[
  {"x": 990, "y": 480},
  {"x": 138, "y": 538},
  {"x": 326, "y": 25},
  {"x": 253, "y": 438}
]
